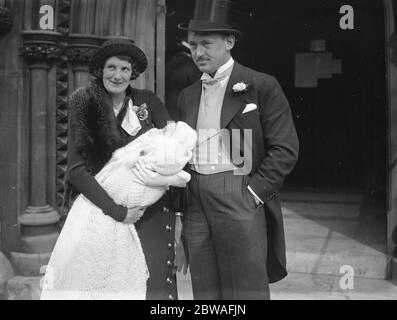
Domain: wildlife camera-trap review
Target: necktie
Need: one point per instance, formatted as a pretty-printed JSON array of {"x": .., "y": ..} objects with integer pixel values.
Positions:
[{"x": 211, "y": 88}]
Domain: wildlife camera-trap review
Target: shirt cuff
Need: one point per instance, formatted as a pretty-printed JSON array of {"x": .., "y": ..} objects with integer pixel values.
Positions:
[{"x": 255, "y": 196}]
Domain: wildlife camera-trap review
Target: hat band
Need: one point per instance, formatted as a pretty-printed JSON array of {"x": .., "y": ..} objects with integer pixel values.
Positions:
[{"x": 203, "y": 25}]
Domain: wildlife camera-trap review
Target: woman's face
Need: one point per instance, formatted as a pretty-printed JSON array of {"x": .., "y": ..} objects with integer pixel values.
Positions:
[{"x": 116, "y": 75}]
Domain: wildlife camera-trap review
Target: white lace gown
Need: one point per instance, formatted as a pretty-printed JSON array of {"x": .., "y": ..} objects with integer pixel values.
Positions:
[{"x": 95, "y": 257}]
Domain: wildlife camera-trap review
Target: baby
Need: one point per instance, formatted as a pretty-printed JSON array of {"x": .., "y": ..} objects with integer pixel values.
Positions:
[{"x": 165, "y": 151}]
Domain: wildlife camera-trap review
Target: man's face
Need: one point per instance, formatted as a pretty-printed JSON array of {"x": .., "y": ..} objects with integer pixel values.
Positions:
[{"x": 210, "y": 51}]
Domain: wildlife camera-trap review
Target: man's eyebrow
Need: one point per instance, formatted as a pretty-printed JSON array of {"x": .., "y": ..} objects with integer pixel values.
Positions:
[{"x": 205, "y": 41}]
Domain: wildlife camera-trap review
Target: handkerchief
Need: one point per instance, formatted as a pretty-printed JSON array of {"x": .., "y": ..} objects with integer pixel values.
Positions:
[
  {"x": 250, "y": 107},
  {"x": 131, "y": 122}
]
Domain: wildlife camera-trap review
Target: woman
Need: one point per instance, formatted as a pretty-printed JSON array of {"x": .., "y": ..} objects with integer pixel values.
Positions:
[{"x": 102, "y": 121}]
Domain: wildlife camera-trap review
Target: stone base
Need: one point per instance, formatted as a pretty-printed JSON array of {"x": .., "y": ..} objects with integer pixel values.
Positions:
[
  {"x": 39, "y": 229},
  {"x": 394, "y": 271},
  {"x": 39, "y": 243},
  {"x": 24, "y": 288},
  {"x": 6, "y": 273},
  {"x": 29, "y": 264}
]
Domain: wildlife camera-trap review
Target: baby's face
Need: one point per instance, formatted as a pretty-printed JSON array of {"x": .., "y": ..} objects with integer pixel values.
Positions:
[
  {"x": 181, "y": 133},
  {"x": 169, "y": 129}
]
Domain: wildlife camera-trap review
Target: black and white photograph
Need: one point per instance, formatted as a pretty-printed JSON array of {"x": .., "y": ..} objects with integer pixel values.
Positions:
[{"x": 211, "y": 152}]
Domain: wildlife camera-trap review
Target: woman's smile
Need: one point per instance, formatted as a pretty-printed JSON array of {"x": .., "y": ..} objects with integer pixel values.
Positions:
[{"x": 116, "y": 75}]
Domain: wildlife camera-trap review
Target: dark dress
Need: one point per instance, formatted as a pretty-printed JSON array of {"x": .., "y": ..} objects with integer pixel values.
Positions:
[{"x": 95, "y": 132}]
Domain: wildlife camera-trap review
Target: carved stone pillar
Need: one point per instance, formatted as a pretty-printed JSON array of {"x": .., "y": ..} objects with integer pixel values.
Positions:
[
  {"x": 81, "y": 48},
  {"x": 5, "y": 20},
  {"x": 39, "y": 229}
]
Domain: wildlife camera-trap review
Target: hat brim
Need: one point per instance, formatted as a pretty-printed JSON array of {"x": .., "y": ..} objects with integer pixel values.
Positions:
[
  {"x": 118, "y": 49},
  {"x": 185, "y": 27}
]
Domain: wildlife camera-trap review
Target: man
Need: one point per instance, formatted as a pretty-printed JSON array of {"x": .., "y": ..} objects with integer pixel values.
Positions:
[
  {"x": 233, "y": 223},
  {"x": 180, "y": 72}
]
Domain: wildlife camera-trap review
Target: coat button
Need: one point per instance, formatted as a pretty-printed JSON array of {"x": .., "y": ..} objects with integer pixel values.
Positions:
[
  {"x": 169, "y": 245},
  {"x": 168, "y": 228},
  {"x": 166, "y": 210},
  {"x": 170, "y": 297},
  {"x": 169, "y": 264},
  {"x": 169, "y": 281}
]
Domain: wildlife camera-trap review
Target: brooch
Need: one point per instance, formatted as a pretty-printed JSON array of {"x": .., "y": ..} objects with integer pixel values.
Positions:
[{"x": 142, "y": 112}]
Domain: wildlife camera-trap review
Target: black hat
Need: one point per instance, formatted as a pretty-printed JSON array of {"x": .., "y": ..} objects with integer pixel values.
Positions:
[
  {"x": 211, "y": 16},
  {"x": 209, "y": 26},
  {"x": 118, "y": 47}
]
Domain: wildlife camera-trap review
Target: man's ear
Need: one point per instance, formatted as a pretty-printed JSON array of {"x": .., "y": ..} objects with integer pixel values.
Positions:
[{"x": 230, "y": 42}]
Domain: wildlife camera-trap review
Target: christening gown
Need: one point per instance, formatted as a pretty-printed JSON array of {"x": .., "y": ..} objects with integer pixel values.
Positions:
[{"x": 97, "y": 258}]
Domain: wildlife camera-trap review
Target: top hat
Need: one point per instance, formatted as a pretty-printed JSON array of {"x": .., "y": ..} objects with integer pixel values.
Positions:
[
  {"x": 209, "y": 26},
  {"x": 118, "y": 47},
  {"x": 210, "y": 16}
]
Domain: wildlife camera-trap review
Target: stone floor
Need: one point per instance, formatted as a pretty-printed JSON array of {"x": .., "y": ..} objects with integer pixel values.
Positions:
[
  {"x": 303, "y": 286},
  {"x": 323, "y": 235}
]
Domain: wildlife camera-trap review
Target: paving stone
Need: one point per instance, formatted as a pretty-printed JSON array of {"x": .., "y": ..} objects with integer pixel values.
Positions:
[
  {"x": 6, "y": 273},
  {"x": 24, "y": 288}
]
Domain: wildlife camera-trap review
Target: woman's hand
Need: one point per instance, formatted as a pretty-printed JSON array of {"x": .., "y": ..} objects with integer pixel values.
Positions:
[{"x": 148, "y": 177}]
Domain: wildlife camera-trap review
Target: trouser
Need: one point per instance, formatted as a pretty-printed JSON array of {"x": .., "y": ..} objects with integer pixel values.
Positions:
[{"x": 226, "y": 238}]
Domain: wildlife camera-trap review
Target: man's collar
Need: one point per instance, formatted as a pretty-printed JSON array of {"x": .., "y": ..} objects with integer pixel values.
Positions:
[{"x": 222, "y": 70}]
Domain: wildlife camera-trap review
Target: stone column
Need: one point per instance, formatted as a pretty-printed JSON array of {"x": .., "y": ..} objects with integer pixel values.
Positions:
[
  {"x": 39, "y": 220},
  {"x": 80, "y": 50},
  {"x": 5, "y": 20},
  {"x": 391, "y": 68},
  {"x": 5, "y": 27}
]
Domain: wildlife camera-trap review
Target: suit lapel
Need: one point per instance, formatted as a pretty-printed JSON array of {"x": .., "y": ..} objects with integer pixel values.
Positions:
[
  {"x": 231, "y": 104},
  {"x": 193, "y": 104}
]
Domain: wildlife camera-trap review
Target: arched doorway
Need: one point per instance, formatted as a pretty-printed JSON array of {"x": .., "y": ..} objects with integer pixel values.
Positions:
[{"x": 340, "y": 111}]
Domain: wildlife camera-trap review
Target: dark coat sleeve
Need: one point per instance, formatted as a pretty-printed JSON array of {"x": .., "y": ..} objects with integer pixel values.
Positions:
[
  {"x": 281, "y": 142},
  {"x": 160, "y": 115},
  {"x": 78, "y": 174}
]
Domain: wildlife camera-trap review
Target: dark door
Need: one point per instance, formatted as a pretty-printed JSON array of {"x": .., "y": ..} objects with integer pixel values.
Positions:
[{"x": 341, "y": 121}]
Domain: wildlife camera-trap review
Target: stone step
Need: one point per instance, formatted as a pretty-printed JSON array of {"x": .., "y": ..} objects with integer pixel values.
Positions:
[
  {"x": 296, "y": 286},
  {"x": 303, "y": 286},
  {"x": 321, "y": 245},
  {"x": 323, "y": 197},
  {"x": 322, "y": 210},
  {"x": 300, "y": 286}
]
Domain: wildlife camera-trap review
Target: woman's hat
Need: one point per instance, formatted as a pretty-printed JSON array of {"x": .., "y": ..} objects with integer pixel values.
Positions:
[
  {"x": 209, "y": 26},
  {"x": 118, "y": 47}
]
